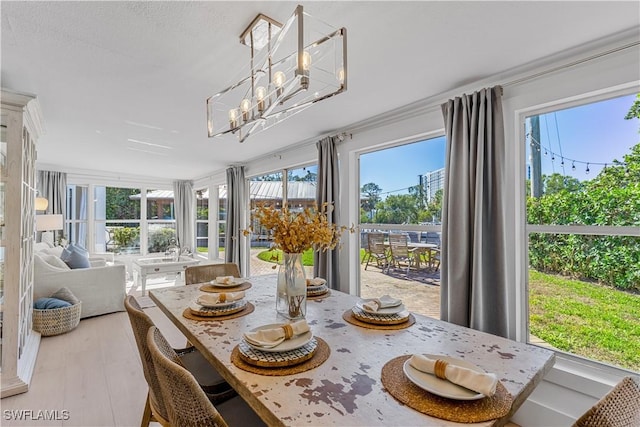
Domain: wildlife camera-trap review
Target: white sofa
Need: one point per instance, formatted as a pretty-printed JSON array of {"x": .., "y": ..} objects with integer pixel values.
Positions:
[{"x": 101, "y": 288}]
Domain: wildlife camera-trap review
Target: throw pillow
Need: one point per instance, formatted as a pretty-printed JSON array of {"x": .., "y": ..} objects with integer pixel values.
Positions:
[
  {"x": 75, "y": 256},
  {"x": 55, "y": 261},
  {"x": 49, "y": 303},
  {"x": 66, "y": 295}
]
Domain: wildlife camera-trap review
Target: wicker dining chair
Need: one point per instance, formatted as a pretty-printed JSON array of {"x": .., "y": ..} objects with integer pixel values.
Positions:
[
  {"x": 206, "y": 273},
  {"x": 187, "y": 404},
  {"x": 618, "y": 408},
  {"x": 216, "y": 388}
]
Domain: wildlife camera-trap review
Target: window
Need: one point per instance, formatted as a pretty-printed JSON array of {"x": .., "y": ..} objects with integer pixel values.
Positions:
[
  {"x": 298, "y": 192},
  {"x": 583, "y": 205},
  {"x": 401, "y": 192},
  {"x": 161, "y": 220},
  {"x": 76, "y": 221},
  {"x": 117, "y": 219},
  {"x": 202, "y": 221}
]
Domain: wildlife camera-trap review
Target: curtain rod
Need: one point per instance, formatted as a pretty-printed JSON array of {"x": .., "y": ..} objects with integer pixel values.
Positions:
[{"x": 571, "y": 64}]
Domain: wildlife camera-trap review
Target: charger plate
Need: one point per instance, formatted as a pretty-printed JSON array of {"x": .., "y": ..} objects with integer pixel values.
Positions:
[
  {"x": 380, "y": 319},
  {"x": 351, "y": 318},
  {"x": 202, "y": 311},
  {"x": 319, "y": 356},
  {"x": 213, "y": 288},
  {"x": 246, "y": 309},
  {"x": 256, "y": 357},
  {"x": 319, "y": 296},
  {"x": 462, "y": 411}
]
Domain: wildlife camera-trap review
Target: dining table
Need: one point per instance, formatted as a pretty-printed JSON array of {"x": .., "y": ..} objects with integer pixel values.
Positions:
[{"x": 347, "y": 388}]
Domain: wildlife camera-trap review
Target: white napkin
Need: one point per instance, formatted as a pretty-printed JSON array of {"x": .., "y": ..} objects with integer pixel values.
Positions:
[
  {"x": 316, "y": 281},
  {"x": 384, "y": 301},
  {"x": 273, "y": 336},
  {"x": 217, "y": 298},
  {"x": 225, "y": 280},
  {"x": 479, "y": 382}
]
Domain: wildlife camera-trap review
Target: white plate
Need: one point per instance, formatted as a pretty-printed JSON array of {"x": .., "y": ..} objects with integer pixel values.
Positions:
[
  {"x": 320, "y": 281},
  {"x": 232, "y": 283},
  {"x": 286, "y": 345},
  {"x": 443, "y": 388},
  {"x": 381, "y": 311},
  {"x": 197, "y": 306}
]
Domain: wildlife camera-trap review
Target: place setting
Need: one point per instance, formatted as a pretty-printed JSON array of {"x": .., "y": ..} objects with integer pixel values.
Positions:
[
  {"x": 218, "y": 306},
  {"x": 446, "y": 387},
  {"x": 224, "y": 283},
  {"x": 386, "y": 313},
  {"x": 280, "y": 349},
  {"x": 317, "y": 288}
]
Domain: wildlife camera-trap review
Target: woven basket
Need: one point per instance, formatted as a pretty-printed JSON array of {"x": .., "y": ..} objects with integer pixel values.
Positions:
[{"x": 55, "y": 321}]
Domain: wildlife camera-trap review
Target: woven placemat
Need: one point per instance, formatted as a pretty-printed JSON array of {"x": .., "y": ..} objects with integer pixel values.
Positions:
[
  {"x": 321, "y": 296},
  {"x": 461, "y": 411},
  {"x": 246, "y": 310},
  {"x": 319, "y": 357},
  {"x": 349, "y": 317},
  {"x": 212, "y": 288}
]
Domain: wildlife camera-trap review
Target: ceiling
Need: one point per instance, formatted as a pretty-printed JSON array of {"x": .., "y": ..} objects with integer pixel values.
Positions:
[{"x": 108, "y": 74}]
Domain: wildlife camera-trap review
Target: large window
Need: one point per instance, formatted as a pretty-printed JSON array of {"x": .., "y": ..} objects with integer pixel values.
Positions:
[
  {"x": 583, "y": 211},
  {"x": 401, "y": 193}
]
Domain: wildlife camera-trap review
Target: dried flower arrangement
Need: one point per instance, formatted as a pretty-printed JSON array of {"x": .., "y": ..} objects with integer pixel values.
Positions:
[{"x": 296, "y": 232}]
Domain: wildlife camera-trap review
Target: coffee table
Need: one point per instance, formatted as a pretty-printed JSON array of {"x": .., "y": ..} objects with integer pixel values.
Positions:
[{"x": 160, "y": 265}]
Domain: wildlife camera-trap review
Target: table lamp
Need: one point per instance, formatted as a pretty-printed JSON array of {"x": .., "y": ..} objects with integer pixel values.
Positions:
[{"x": 47, "y": 224}]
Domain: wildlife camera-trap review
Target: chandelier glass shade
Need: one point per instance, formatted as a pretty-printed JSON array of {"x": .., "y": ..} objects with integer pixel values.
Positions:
[{"x": 292, "y": 66}]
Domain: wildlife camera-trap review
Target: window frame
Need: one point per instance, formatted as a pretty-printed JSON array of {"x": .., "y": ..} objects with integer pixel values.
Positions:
[{"x": 592, "y": 371}]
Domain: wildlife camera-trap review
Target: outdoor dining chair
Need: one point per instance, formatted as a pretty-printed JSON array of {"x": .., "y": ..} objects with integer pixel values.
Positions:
[
  {"x": 217, "y": 389},
  {"x": 377, "y": 251},
  {"x": 187, "y": 405},
  {"x": 401, "y": 255},
  {"x": 206, "y": 273}
]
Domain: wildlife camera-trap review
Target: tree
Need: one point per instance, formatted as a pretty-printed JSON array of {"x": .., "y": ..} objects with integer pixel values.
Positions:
[
  {"x": 371, "y": 192},
  {"x": 556, "y": 183},
  {"x": 634, "y": 111},
  {"x": 119, "y": 205},
  {"x": 397, "y": 209}
]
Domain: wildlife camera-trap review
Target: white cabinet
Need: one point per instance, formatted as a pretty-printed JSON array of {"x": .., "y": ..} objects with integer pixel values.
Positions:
[{"x": 21, "y": 126}]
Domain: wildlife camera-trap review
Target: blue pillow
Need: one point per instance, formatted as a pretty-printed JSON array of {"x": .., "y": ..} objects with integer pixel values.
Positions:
[
  {"x": 48, "y": 303},
  {"x": 75, "y": 256}
]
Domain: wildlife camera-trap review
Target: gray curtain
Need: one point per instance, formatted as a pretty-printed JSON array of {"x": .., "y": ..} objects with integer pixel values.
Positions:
[
  {"x": 236, "y": 214},
  {"x": 53, "y": 187},
  {"x": 474, "y": 282},
  {"x": 185, "y": 216},
  {"x": 325, "y": 264}
]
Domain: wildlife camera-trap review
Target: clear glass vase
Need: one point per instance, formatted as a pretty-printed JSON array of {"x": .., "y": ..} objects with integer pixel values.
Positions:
[{"x": 291, "y": 298}]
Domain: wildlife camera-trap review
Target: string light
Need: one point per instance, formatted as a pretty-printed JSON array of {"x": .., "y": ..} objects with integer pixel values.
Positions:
[{"x": 537, "y": 145}]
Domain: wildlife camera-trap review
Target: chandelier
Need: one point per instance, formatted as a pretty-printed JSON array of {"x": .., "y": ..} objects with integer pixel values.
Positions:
[{"x": 292, "y": 66}]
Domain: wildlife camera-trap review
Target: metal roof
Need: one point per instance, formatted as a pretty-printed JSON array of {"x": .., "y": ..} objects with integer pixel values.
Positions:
[{"x": 258, "y": 190}]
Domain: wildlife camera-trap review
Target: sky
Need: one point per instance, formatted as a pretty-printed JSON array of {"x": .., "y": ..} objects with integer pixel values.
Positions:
[{"x": 593, "y": 133}]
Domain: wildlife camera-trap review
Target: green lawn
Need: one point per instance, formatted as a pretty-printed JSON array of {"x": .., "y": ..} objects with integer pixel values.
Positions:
[
  {"x": 587, "y": 319},
  {"x": 307, "y": 257}
]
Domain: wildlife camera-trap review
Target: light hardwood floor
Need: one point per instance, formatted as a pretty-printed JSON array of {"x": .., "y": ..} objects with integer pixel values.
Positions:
[{"x": 93, "y": 372}]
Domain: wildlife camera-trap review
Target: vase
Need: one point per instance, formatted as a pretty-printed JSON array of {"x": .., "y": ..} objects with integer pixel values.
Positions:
[{"x": 291, "y": 298}]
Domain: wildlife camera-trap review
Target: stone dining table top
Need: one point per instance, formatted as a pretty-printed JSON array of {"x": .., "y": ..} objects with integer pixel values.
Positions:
[{"x": 346, "y": 389}]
